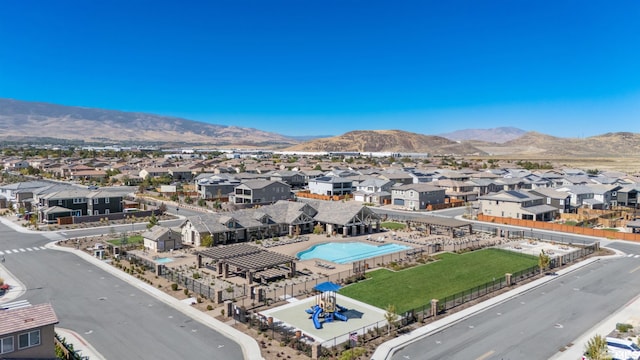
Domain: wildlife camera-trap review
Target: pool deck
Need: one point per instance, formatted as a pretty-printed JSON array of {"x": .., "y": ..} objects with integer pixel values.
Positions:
[{"x": 295, "y": 248}]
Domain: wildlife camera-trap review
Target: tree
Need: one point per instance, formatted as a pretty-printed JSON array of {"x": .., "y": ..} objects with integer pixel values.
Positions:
[
  {"x": 596, "y": 349},
  {"x": 153, "y": 221},
  {"x": 543, "y": 261},
  {"x": 162, "y": 208},
  {"x": 207, "y": 240},
  {"x": 391, "y": 316}
]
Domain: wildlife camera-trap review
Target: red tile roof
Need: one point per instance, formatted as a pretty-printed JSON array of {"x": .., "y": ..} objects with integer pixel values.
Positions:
[{"x": 30, "y": 317}]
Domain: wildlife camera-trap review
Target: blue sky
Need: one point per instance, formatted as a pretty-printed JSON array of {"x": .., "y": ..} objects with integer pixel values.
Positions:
[{"x": 565, "y": 68}]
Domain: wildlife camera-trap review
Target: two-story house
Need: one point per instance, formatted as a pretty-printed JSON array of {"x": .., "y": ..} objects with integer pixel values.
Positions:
[
  {"x": 374, "y": 191},
  {"x": 579, "y": 193},
  {"x": 294, "y": 178},
  {"x": 211, "y": 186},
  {"x": 456, "y": 189},
  {"x": 559, "y": 200},
  {"x": 516, "y": 204},
  {"x": 260, "y": 191},
  {"x": 330, "y": 185},
  {"x": 101, "y": 202},
  {"x": 417, "y": 196}
]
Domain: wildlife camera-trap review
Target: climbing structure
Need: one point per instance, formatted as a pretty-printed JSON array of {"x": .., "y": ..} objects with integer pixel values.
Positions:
[{"x": 326, "y": 309}]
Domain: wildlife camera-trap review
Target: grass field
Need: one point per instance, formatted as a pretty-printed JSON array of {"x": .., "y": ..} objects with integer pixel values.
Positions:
[
  {"x": 392, "y": 225},
  {"x": 414, "y": 287},
  {"x": 135, "y": 240}
]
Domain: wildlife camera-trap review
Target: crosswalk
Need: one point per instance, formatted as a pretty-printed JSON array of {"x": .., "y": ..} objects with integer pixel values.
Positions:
[
  {"x": 21, "y": 250},
  {"x": 15, "y": 305},
  {"x": 635, "y": 256}
]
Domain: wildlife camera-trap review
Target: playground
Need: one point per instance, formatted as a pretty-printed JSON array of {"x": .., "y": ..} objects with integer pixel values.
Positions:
[{"x": 327, "y": 315}]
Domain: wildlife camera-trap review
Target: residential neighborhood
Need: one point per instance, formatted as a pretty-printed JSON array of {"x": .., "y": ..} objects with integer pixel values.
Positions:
[{"x": 245, "y": 221}]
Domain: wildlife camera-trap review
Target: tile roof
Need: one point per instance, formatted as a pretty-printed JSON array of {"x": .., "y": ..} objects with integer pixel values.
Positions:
[{"x": 30, "y": 317}]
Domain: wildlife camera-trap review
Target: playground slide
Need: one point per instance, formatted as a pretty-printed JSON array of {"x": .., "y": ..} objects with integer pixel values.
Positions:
[
  {"x": 341, "y": 308},
  {"x": 340, "y": 316},
  {"x": 315, "y": 317}
]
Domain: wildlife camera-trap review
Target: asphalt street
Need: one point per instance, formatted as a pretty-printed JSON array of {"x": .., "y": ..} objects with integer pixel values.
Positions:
[
  {"x": 537, "y": 324},
  {"x": 118, "y": 319}
]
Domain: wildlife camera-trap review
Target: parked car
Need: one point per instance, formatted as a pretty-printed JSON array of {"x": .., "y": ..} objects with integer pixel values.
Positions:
[{"x": 623, "y": 349}]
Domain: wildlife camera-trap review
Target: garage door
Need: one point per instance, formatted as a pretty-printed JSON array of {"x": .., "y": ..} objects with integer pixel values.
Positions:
[{"x": 399, "y": 202}]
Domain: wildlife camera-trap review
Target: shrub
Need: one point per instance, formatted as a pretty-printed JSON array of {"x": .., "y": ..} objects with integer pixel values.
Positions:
[
  {"x": 623, "y": 328},
  {"x": 209, "y": 307},
  {"x": 186, "y": 292},
  {"x": 174, "y": 287}
]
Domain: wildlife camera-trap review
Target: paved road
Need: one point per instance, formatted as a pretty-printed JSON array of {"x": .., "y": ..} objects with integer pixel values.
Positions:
[
  {"x": 537, "y": 324},
  {"x": 119, "y": 320}
]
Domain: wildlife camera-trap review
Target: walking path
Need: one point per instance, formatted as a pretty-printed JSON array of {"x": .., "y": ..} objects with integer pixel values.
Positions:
[{"x": 250, "y": 348}]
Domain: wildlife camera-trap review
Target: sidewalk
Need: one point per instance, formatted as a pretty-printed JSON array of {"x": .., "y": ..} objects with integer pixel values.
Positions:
[
  {"x": 387, "y": 349},
  {"x": 249, "y": 345},
  {"x": 18, "y": 289}
]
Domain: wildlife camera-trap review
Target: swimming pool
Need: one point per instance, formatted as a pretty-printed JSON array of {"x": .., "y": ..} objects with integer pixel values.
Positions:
[
  {"x": 163, "y": 260},
  {"x": 344, "y": 253}
]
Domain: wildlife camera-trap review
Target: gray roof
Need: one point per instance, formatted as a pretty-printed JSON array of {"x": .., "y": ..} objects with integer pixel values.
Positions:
[
  {"x": 539, "y": 209},
  {"x": 56, "y": 210},
  {"x": 340, "y": 213},
  {"x": 260, "y": 183},
  {"x": 551, "y": 193},
  {"x": 158, "y": 232},
  {"x": 419, "y": 187}
]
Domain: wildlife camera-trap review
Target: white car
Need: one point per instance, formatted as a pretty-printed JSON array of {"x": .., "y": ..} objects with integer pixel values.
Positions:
[{"x": 623, "y": 349}]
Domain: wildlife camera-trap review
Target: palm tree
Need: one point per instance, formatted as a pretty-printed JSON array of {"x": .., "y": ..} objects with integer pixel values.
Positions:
[{"x": 596, "y": 349}]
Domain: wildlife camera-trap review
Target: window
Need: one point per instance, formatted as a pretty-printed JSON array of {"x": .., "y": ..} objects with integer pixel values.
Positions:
[
  {"x": 96, "y": 212},
  {"x": 60, "y": 202},
  {"x": 6, "y": 345},
  {"x": 106, "y": 211},
  {"x": 548, "y": 201},
  {"x": 96, "y": 201},
  {"x": 32, "y": 338},
  {"x": 106, "y": 201}
]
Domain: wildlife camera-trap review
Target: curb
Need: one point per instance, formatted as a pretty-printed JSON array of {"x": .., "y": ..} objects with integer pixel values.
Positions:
[
  {"x": 80, "y": 345},
  {"x": 250, "y": 348},
  {"x": 388, "y": 349}
]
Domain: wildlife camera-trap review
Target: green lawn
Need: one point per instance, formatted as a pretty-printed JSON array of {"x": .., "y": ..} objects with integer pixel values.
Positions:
[
  {"x": 392, "y": 225},
  {"x": 135, "y": 240},
  {"x": 414, "y": 287}
]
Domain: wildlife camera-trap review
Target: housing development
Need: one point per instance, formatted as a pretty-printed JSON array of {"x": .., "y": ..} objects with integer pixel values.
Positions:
[{"x": 306, "y": 255}]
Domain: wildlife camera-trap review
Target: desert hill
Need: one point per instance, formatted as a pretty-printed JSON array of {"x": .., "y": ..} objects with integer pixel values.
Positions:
[
  {"x": 534, "y": 143},
  {"x": 496, "y": 135},
  {"x": 387, "y": 141},
  {"x": 29, "y": 120}
]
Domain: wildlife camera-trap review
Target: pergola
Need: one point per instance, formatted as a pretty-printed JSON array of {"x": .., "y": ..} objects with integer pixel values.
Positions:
[
  {"x": 253, "y": 261},
  {"x": 448, "y": 226}
]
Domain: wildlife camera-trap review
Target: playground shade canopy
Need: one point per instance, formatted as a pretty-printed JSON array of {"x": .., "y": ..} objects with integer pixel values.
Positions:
[{"x": 327, "y": 286}]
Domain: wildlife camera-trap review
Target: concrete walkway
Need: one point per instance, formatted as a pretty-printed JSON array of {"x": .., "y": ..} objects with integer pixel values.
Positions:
[
  {"x": 387, "y": 349},
  {"x": 250, "y": 347},
  {"x": 17, "y": 290}
]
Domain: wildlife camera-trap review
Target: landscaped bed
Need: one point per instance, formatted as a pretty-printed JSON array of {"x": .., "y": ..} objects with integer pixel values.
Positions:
[{"x": 411, "y": 288}]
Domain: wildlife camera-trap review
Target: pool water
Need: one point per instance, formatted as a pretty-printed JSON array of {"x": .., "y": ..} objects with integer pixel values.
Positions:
[
  {"x": 344, "y": 253},
  {"x": 163, "y": 260}
]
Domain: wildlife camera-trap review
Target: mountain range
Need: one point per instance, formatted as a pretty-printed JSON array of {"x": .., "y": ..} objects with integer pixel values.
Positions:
[{"x": 29, "y": 122}]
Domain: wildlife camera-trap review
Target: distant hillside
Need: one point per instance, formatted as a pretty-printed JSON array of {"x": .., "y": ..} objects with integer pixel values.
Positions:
[
  {"x": 387, "y": 141},
  {"x": 495, "y": 135},
  {"x": 23, "y": 120},
  {"x": 533, "y": 143}
]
